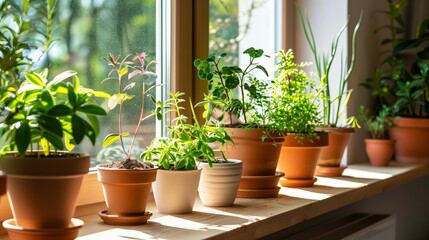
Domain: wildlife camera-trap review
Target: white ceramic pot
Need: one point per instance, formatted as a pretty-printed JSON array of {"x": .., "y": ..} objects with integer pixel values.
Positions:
[
  {"x": 175, "y": 191},
  {"x": 219, "y": 184}
]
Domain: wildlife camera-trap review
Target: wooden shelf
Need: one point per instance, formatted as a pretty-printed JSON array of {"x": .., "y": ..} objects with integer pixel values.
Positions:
[{"x": 255, "y": 218}]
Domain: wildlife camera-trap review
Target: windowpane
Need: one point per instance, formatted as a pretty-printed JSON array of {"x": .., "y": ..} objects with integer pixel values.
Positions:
[
  {"x": 236, "y": 25},
  {"x": 89, "y": 31}
]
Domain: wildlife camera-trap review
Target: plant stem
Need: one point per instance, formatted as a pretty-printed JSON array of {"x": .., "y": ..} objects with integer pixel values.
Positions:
[{"x": 139, "y": 123}]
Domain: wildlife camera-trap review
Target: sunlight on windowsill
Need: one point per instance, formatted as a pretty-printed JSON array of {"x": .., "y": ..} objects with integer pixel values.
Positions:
[{"x": 366, "y": 174}]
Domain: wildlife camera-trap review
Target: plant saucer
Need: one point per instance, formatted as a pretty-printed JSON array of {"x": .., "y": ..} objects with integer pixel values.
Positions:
[
  {"x": 297, "y": 183},
  {"x": 329, "y": 171},
  {"x": 19, "y": 233},
  {"x": 258, "y": 193},
  {"x": 113, "y": 219}
]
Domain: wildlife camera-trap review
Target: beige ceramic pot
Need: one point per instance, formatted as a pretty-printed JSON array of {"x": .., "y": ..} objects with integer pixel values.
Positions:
[
  {"x": 219, "y": 184},
  {"x": 259, "y": 157},
  {"x": 126, "y": 193},
  {"x": 43, "y": 191},
  {"x": 175, "y": 191},
  {"x": 379, "y": 151},
  {"x": 411, "y": 137}
]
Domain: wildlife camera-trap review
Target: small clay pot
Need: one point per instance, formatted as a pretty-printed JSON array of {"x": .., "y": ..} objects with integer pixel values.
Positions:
[{"x": 379, "y": 151}]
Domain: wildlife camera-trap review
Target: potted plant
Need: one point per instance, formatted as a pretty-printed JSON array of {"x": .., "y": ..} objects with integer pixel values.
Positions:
[
  {"x": 127, "y": 183},
  {"x": 42, "y": 118},
  {"x": 411, "y": 105},
  {"x": 293, "y": 101},
  {"x": 333, "y": 105},
  {"x": 38, "y": 119},
  {"x": 378, "y": 148},
  {"x": 177, "y": 157},
  {"x": 247, "y": 114}
]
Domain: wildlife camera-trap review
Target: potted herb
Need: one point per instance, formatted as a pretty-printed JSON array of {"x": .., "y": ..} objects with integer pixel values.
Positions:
[
  {"x": 42, "y": 118},
  {"x": 333, "y": 105},
  {"x": 294, "y": 101},
  {"x": 247, "y": 114},
  {"x": 127, "y": 183},
  {"x": 38, "y": 120},
  {"x": 378, "y": 148},
  {"x": 177, "y": 157}
]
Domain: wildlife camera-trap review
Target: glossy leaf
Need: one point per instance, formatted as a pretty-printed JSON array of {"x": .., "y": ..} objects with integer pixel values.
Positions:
[{"x": 23, "y": 137}]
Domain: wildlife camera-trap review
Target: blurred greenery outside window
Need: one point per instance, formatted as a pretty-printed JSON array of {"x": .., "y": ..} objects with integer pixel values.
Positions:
[
  {"x": 236, "y": 25},
  {"x": 91, "y": 29}
]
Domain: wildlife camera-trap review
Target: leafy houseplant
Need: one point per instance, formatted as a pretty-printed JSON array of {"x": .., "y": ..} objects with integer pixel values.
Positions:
[
  {"x": 332, "y": 106},
  {"x": 127, "y": 183},
  {"x": 42, "y": 118},
  {"x": 177, "y": 156},
  {"x": 378, "y": 148},
  {"x": 245, "y": 108},
  {"x": 294, "y": 101}
]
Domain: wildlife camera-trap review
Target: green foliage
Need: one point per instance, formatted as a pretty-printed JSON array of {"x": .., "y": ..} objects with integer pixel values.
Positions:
[
  {"x": 124, "y": 72},
  {"x": 48, "y": 114},
  {"x": 187, "y": 143},
  {"x": 242, "y": 94},
  {"x": 25, "y": 29},
  {"x": 333, "y": 106},
  {"x": 402, "y": 86},
  {"x": 292, "y": 98},
  {"x": 376, "y": 125}
]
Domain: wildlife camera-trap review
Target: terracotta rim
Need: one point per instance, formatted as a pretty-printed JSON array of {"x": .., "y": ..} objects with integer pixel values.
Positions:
[
  {"x": 11, "y": 225},
  {"x": 289, "y": 182},
  {"x": 411, "y": 122},
  {"x": 258, "y": 193},
  {"x": 329, "y": 171},
  {"x": 124, "y": 220}
]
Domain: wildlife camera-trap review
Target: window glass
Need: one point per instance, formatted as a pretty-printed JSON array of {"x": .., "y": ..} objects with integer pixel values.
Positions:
[
  {"x": 90, "y": 30},
  {"x": 236, "y": 25}
]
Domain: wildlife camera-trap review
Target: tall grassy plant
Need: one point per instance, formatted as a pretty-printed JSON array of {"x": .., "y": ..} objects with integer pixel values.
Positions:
[{"x": 333, "y": 106}]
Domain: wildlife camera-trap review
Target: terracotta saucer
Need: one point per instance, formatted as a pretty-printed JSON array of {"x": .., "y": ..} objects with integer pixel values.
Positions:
[
  {"x": 260, "y": 182},
  {"x": 258, "y": 193},
  {"x": 298, "y": 183},
  {"x": 329, "y": 171},
  {"x": 124, "y": 220},
  {"x": 20, "y": 233}
]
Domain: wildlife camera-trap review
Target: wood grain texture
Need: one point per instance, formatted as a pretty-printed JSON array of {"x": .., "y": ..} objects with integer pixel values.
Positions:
[{"x": 255, "y": 218}]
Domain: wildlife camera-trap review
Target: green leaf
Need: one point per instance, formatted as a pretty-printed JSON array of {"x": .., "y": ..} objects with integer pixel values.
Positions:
[
  {"x": 262, "y": 69},
  {"x": 231, "y": 82},
  {"x": 50, "y": 124},
  {"x": 61, "y": 77},
  {"x": 35, "y": 79},
  {"x": 54, "y": 139},
  {"x": 78, "y": 128},
  {"x": 197, "y": 62},
  {"x": 92, "y": 109},
  {"x": 23, "y": 137},
  {"x": 60, "y": 110},
  {"x": 112, "y": 138},
  {"x": 71, "y": 95}
]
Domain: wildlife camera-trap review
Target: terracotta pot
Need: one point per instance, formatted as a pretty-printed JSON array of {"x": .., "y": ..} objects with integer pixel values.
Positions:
[
  {"x": 339, "y": 138},
  {"x": 411, "y": 137},
  {"x": 298, "y": 160},
  {"x": 219, "y": 184},
  {"x": 259, "y": 157},
  {"x": 43, "y": 191},
  {"x": 18, "y": 233},
  {"x": 379, "y": 151},
  {"x": 126, "y": 193},
  {"x": 175, "y": 191}
]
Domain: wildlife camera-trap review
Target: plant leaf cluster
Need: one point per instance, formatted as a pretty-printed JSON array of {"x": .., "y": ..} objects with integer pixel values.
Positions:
[
  {"x": 125, "y": 72},
  {"x": 187, "y": 143},
  {"x": 48, "y": 115},
  {"x": 292, "y": 98},
  {"x": 376, "y": 125},
  {"x": 332, "y": 105}
]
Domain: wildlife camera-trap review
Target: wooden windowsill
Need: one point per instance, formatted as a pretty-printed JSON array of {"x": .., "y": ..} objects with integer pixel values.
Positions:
[{"x": 254, "y": 218}]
